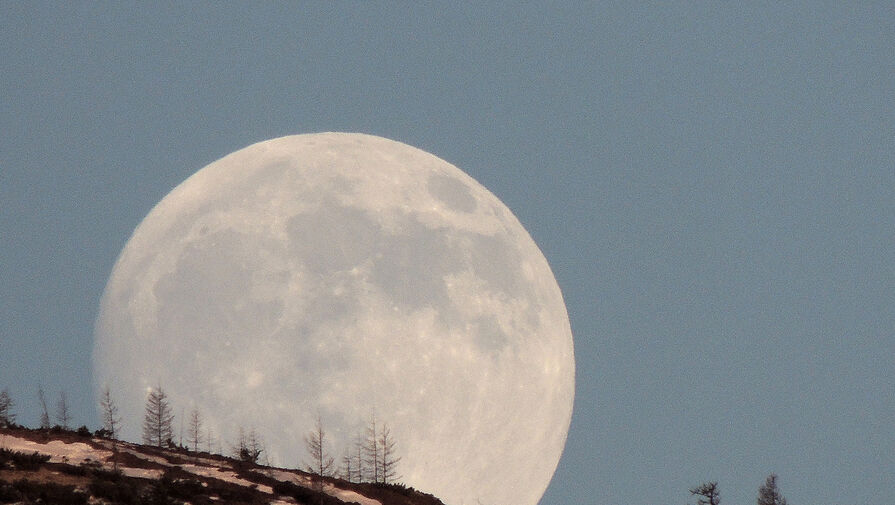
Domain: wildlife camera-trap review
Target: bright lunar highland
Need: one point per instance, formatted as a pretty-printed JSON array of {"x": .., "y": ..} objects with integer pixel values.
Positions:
[{"x": 347, "y": 276}]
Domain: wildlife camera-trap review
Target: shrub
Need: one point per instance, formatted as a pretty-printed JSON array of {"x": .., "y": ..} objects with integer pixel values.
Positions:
[
  {"x": 23, "y": 461},
  {"x": 116, "y": 491},
  {"x": 49, "y": 492},
  {"x": 305, "y": 495}
]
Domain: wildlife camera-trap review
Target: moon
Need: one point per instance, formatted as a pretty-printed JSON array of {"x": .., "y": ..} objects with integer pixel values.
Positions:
[{"x": 347, "y": 276}]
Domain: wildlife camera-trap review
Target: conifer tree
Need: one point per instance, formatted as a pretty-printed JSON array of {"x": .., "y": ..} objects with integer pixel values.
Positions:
[
  {"x": 372, "y": 452},
  {"x": 158, "y": 419},
  {"x": 321, "y": 463},
  {"x": 768, "y": 494},
  {"x": 389, "y": 463}
]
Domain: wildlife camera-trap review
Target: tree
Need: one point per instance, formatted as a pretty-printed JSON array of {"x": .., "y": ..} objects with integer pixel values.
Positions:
[
  {"x": 321, "y": 463},
  {"x": 63, "y": 414},
  {"x": 209, "y": 440},
  {"x": 359, "y": 458},
  {"x": 372, "y": 451},
  {"x": 768, "y": 494},
  {"x": 158, "y": 419},
  {"x": 111, "y": 421},
  {"x": 248, "y": 446},
  {"x": 347, "y": 470},
  {"x": 708, "y": 493},
  {"x": 194, "y": 431},
  {"x": 389, "y": 471},
  {"x": 44, "y": 412},
  {"x": 7, "y": 418}
]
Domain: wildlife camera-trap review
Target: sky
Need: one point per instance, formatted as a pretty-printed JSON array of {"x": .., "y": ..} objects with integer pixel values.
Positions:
[{"x": 713, "y": 185}]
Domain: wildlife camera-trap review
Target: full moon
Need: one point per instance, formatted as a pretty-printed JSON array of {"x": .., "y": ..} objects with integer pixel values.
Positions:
[{"x": 347, "y": 277}]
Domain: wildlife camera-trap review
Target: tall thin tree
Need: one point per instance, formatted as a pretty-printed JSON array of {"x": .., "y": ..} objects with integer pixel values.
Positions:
[
  {"x": 390, "y": 459},
  {"x": 347, "y": 469},
  {"x": 111, "y": 422},
  {"x": 44, "y": 411},
  {"x": 359, "y": 457},
  {"x": 157, "y": 419},
  {"x": 209, "y": 440},
  {"x": 372, "y": 452},
  {"x": 321, "y": 463},
  {"x": 194, "y": 431},
  {"x": 63, "y": 414}
]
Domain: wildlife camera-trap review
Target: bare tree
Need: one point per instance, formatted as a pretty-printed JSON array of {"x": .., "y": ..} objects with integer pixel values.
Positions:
[
  {"x": 248, "y": 446},
  {"x": 158, "y": 419},
  {"x": 111, "y": 421},
  {"x": 255, "y": 446},
  {"x": 7, "y": 418},
  {"x": 321, "y": 462},
  {"x": 63, "y": 414},
  {"x": 389, "y": 470},
  {"x": 708, "y": 493},
  {"x": 359, "y": 457},
  {"x": 209, "y": 440},
  {"x": 44, "y": 411},
  {"x": 194, "y": 431},
  {"x": 372, "y": 452},
  {"x": 768, "y": 494},
  {"x": 347, "y": 470},
  {"x": 180, "y": 436}
]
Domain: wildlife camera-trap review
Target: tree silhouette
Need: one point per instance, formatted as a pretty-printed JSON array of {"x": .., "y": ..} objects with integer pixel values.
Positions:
[
  {"x": 158, "y": 419},
  {"x": 389, "y": 463},
  {"x": 708, "y": 493},
  {"x": 7, "y": 418},
  {"x": 321, "y": 463},
  {"x": 44, "y": 412},
  {"x": 768, "y": 494},
  {"x": 63, "y": 414},
  {"x": 372, "y": 452},
  {"x": 111, "y": 421},
  {"x": 248, "y": 446},
  {"x": 194, "y": 430},
  {"x": 359, "y": 457}
]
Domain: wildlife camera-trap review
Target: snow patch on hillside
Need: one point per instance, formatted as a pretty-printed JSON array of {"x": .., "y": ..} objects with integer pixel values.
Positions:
[
  {"x": 342, "y": 494},
  {"x": 74, "y": 453},
  {"x": 231, "y": 477},
  {"x": 77, "y": 453}
]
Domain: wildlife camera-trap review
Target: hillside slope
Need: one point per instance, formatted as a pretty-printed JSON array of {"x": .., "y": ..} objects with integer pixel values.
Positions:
[{"x": 63, "y": 467}]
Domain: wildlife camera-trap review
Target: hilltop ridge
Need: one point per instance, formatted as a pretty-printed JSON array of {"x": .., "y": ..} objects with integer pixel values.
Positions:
[{"x": 77, "y": 467}]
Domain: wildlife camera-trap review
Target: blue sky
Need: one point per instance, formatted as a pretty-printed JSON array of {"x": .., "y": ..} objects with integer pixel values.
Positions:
[{"x": 712, "y": 184}]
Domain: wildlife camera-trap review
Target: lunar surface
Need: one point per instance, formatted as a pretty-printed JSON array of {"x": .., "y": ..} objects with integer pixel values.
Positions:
[{"x": 347, "y": 276}]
